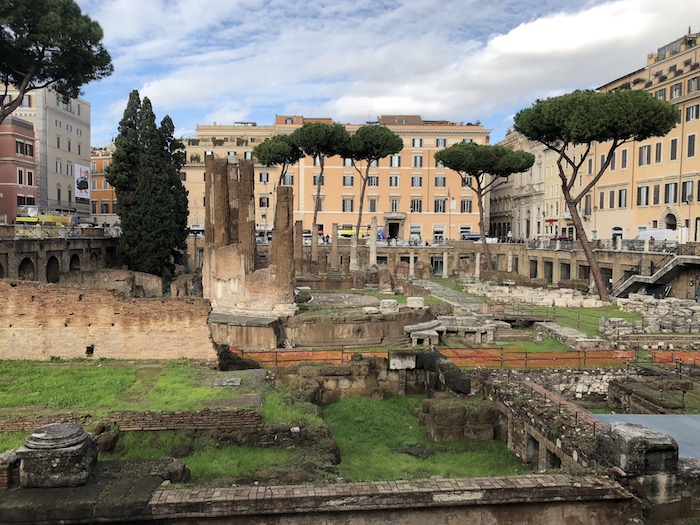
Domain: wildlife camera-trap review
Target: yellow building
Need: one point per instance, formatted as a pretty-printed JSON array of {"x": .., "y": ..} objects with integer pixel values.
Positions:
[
  {"x": 103, "y": 198},
  {"x": 655, "y": 183},
  {"x": 409, "y": 193}
]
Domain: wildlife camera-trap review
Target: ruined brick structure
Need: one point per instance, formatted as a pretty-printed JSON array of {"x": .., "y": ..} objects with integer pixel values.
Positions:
[{"x": 230, "y": 279}]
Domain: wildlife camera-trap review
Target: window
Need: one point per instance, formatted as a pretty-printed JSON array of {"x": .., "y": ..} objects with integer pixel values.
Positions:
[
  {"x": 692, "y": 112},
  {"x": 58, "y": 124},
  {"x": 26, "y": 101},
  {"x": 623, "y": 159},
  {"x": 58, "y": 194},
  {"x": 439, "y": 164},
  {"x": 657, "y": 152},
  {"x": 693, "y": 84},
  {"x": 671, "y": 193},
  {"x": 20, "y": 176},
  {"x": 656, "y": 195},
  {"x": 316, "y": 178},
  {"x": 416, "y": 181},
  {"x": 674, "y": 150},
  {"x": 417, "y": 143},
  {"x": 601, "y": 200},
  {"x": 79, "y": 132},
  {"x": 417, "y": 161},
  {"x": 612, "y": 162},
  {"x": 440, "y": 205},
  {"x": 691, "y": 146},
  {"x": 660, "y": 94},
  {"x": 590, "y": 166},
  {"x": 58, "y": 142},
  {"x": 440, "y": 143},
  {"x": 393, "y": 204},
  {"x": 264, "y": 177},
  {"x": 347, "y": 162},
  {"x": 68, "y": 145},
  {"x": 248, "y": 155},
  {"x": 373, "y": 180},
  {"x": 288, "y": 180},
  {"x": 466, "y": 206},
  {"x": 105, "y": 184},
  {"x": 611, "y": 200},
  {"x": 373, "y": 201},
  {"x": 643, "y": 196},
  {"x": 348, "y": 180},
  {"x": 30, "y": 178},
  {"x": 467, "y": 140},
  {"x": 289, "y": 121},
  {"x": 686, "y": 190},
  {"x": 183, "y": 176},
  {"x": 21, "y": 200},
  {"x": 395, "y": 161},
  {"x": 416, "y": 205},
  {"x": 645, "y": 155},
  {"x": 93, "y": 207},
  {"x": 264, "y": 202},
  {"x": 466, "y": 182},
  {"x": 319, "y": 202},
  {"x": 393, "y": 181},
  {"x": 317, "y": 160},
  {"x": 439, "y": 181},
  {"x": 586, "y": 206},
  {"x": 676, "y": 90},
  {"x": 374, "y": 163},
  {"x": 622, "y": 198},
  {"x": 69, "y": 168},
  {"x": 59, "y": 166},
  {"x": 93, "y": 184},
  {"x": 80, "y": 149},
  {"x": 70, "y": 196},
  {"x": 104, "y": 207},
  {"x": 348, "y": 204}
]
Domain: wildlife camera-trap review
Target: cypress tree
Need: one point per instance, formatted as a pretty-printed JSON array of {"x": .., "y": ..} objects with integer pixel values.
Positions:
[{"x": 152, "y": 201}]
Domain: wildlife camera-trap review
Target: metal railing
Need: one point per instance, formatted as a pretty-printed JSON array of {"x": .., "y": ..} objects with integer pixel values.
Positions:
[{"x": 39, "y": 231}]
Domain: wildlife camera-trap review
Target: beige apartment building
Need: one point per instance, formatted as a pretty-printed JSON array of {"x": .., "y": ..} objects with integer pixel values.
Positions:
[
  {"x": 410, "y": 194},
  {"x": 62, "y": 149}
]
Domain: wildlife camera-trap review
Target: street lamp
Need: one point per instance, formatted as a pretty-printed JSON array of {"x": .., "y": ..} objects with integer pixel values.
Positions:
[{"x": 689, "y": 200}]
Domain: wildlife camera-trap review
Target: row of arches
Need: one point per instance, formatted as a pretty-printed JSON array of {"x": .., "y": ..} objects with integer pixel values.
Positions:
[{"x": 27, "y": 270}]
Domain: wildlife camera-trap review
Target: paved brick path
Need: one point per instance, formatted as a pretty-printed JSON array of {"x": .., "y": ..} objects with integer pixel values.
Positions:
[{"x": 171, "y": 501}]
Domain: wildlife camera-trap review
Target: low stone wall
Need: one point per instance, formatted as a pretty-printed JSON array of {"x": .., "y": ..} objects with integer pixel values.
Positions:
[
  {"x": 196, "y": 420},
  {"x": 661, "y": 316},
  {"x": 560, "y": 297}
]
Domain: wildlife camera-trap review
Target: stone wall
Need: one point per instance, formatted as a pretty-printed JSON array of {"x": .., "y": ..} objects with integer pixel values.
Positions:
[
  {"x": 562, "y": 297},
  {"x": 663, "y": 316},
  {"x": 39, "y": 321},
  {"x": 131, "y": 284}
]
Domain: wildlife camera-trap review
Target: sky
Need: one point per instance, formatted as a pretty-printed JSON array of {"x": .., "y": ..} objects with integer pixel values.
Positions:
[{"x": 225, "y": 61}]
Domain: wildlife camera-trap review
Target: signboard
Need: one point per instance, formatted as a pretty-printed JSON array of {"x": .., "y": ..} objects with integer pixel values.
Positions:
[{"x": 82, "y": 184}]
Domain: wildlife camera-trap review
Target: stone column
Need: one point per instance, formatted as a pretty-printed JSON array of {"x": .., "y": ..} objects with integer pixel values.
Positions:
[
  {"x": 216, "y": 225},
  {"x": 234, "y": 202},
  {"x": 345, "y": 264},
  {"x": 298, "y": 244},
  {"x": 445, "y": 270},
  {"x": 618, "y": 244},
  {"x": 411, "y": 265},
  {"x": 477, "y": 267},
  {"x": 373, "y": 243},
  {"x": 246, "y": 215},
  {"x": 646, "y": 245},
  {"x": 334, "y": 247},
  {"x": 353, "y": 253},
  {"x": 510, "y": 262},
  {"x": 314, "y": 243},
  {"x": 283, "y": 247}
]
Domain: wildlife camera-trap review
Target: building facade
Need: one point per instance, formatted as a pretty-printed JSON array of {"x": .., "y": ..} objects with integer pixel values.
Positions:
[
  {"x": 103, "y": 198},
  {"x": 62, "y": 151},
  {"x": 410, "y": 194},
  {"x": 18, "y": 167}
]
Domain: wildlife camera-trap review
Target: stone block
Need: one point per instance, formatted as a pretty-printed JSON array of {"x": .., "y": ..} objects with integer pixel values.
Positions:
[
  {"x": 389, "y": 306},
  {"x": 638, "y": 450},
  {"x": 415, "y": 302}
]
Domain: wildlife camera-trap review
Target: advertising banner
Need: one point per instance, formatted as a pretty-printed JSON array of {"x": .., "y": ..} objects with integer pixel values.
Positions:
[{"x": 82, "y": 184}]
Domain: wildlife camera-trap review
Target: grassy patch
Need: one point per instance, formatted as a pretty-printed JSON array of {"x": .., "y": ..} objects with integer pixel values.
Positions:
[
  {"x": 587, "y": 320},
  {"x": 12, "y": 440},
  {"x": 288, "y": 409},
  {"x": 546, "y": 345},
  {"x": 368, "y": 429}
]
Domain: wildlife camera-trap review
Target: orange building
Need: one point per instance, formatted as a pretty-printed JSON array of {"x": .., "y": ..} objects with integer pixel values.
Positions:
[
  {"x": 18, "y": 167},
  {"x": 103, "y": 198}
]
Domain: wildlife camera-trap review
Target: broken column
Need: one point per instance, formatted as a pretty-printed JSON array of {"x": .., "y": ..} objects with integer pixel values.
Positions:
[
  {"x": 373, "y": 243},
  {"x": 57, "y": 455},
  {"x": 335, "y": 263}
]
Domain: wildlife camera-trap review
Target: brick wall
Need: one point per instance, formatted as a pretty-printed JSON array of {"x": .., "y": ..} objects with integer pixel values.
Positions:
[
  {"x": 199, "y": 420},
  {"x": 39, "y": 320}
]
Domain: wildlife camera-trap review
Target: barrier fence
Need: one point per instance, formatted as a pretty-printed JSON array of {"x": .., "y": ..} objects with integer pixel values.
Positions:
[{"x": 476, "y": 357}]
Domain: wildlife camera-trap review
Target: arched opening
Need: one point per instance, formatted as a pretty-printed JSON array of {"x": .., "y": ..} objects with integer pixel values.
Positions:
[
  {"x": 26, "y": 270},
  {"x": 53, "y": 270},
  {"x": 74, "y": 263},
  {"x": 671, "y": 222},
  {"x": 93, "y": 261}
]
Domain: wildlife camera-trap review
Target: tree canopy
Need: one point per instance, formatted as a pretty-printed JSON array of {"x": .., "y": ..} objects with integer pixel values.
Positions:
[
  {"x": 482, "y": 168},
  {"x": 320, "y": 140},
  {"x": 278, "y": 151},
  {"x": 369, "y": 144},
  {"x": 48, "y": 43},
  {"x": 583, "y": 118},
  {"x": 152, "y": 201}
]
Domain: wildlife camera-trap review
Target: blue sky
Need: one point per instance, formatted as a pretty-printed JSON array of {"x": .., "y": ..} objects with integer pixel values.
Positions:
[{"x": 223, "y": 61}]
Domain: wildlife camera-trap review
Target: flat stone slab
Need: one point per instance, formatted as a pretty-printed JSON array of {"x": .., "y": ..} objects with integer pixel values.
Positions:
[{"x": 228, "y": 382}]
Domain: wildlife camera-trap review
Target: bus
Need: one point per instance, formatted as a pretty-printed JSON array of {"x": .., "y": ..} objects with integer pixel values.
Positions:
[{"x": 35, "y": 215}]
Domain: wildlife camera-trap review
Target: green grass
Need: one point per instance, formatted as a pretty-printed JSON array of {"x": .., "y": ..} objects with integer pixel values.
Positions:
[
  {"x": 587, "y": 320},
  {"x": 288, "y": 409},
  {"x": 547, "y": 345},
  {"x": 12, "y": 440},
  {"x": 367, "y": 429}
]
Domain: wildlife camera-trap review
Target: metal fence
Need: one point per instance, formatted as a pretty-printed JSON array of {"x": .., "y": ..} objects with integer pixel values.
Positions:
[{"x": 39, "y": 231}]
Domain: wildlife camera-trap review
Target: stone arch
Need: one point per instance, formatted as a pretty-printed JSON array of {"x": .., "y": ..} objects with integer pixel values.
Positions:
[
  {"x": 94, "y": 259},
  {"x": 26, "y": 270},
  {"x": 671, "y": 221},
  {"x": 53, "y": 270},
  {"x": 74, "y": 263}
]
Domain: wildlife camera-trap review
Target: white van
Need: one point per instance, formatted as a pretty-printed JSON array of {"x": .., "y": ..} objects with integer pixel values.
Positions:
[{"x": 661, "y": 235}]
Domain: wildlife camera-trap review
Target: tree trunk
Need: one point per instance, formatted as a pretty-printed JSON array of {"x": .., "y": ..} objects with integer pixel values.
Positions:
[
  {"x": 585, "y": 245},
  {"x": 362, "y": 201},
  {"x": 484, "y": 244}
]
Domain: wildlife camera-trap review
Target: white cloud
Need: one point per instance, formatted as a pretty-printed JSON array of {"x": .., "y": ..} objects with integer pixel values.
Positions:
[{"x": 469, "y": 60}]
